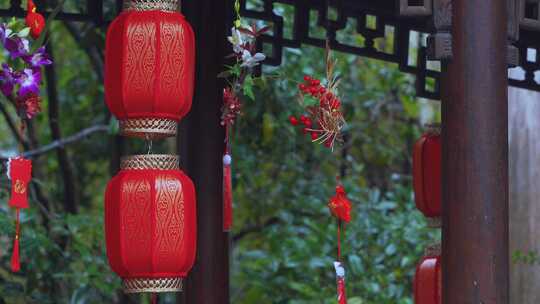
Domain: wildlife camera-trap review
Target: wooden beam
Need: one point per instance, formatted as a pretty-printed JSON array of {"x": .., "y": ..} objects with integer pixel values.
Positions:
[
  {"x": 475, "y": 156},
  {"x": 201, "y": 150}
]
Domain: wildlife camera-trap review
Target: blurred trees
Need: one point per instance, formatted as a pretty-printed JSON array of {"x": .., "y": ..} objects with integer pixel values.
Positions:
[{"x": 283, "y": 239}]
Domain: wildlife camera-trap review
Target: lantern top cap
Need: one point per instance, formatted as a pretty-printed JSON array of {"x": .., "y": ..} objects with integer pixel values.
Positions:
[
  {"x": 433, "y": 129},
  {"x": 433, "y": 250},
  {"x": 150, "y": 162},
  {"x": 152, "y": 5}
]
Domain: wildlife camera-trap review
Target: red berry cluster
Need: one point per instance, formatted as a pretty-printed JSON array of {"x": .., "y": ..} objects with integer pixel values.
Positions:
[
  {"x": 307, "y": 123},
  {"x": 328, "y": 105},
  {"x": 313, "y": 87}
]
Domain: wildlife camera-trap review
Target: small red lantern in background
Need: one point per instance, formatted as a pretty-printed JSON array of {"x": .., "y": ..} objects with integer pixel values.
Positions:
[
  {"x": 149, "y": 68},
  {"x": 427, "y": 180},
  {"x": 150, "y": 220},
  {"x": 428, "y": 278}
]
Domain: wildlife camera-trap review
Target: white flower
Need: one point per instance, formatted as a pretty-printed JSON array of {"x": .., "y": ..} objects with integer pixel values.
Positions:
[
  {"x": 249, "y": 60},
  {"x": 237, "y": 40}
]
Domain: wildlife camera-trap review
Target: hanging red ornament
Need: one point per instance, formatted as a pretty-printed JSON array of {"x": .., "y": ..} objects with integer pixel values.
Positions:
[
  {"x": 340, "y": 205},
  {"x": 428, "y": 278},
  {"x": 340, "y": 280},
  {"x": 149, "y": 68},
  {"x": 227, "y": 193},
  {"x": 150, "y": 220},
  {"x": 34, "y": 20},
  {"x": 427, "y": 174},
  {"x": 19, "y": 171}
]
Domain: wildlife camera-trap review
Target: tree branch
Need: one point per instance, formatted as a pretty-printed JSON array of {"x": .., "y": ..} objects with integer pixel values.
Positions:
[
  {"x": 13, "y": 127},
  {"x": 255, "y": 228},
  {"x": 61, "y": 143},
  {"x": 70, "y": 185}
]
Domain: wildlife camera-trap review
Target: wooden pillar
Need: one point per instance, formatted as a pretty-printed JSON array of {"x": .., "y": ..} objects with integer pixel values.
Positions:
[
  {"x": 475, "y": 157},
  {"x": 201, "y": 152}
]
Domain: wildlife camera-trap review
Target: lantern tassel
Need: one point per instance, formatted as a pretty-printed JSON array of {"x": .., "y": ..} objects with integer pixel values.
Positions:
[
  {"x": 15, "y": 257},
  {"x": 340, "y": 270},
  {"x": 227, "y": 194}
]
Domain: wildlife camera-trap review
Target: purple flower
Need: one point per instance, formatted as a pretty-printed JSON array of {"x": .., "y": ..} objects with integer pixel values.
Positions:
[
  {"x": 5, "y": 32},
  {"x": 29, "y": 81},
  {"x": 17, "y": 47},
  {"x": 7, "y": 80},
  {"x": 38, "y": 59}
]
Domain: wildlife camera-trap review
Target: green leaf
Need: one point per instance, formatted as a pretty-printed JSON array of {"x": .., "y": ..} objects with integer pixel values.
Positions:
[
  {"x": 248, "y": 87},
  {"x": 310, "y": 101},
  {"x": 24, "y": 32}
]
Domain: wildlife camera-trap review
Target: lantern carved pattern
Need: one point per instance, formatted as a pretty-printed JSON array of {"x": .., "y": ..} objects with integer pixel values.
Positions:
[
  {"x": 427, "y": 180},
  {"x": 149, "y": 67},
  {"x": 428, "y": 278},
  {"x": 150, "y": 216},
  {"x": 150, "y": 219}
]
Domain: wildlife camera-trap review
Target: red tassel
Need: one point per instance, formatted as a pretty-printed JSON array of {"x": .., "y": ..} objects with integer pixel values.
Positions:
[
  {"x": 342, "y": 296},
  {"x": 15, "y": 259},
  {"x": 227, "y": 194}
]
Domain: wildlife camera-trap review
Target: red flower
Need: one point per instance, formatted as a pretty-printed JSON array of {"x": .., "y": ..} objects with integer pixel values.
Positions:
[
  {"x": 35, "y": 21},
  {"x": 232, "y": 107},
  {"x": 29, "y": 106},
  {"x": 340, "y": 205}
]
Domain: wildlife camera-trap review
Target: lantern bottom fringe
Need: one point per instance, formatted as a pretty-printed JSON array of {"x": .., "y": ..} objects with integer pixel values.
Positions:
[
  {"x": 140, "y": 285},
  {"x": 148, "y": 128},
  {"x": 434, "y": 222}
]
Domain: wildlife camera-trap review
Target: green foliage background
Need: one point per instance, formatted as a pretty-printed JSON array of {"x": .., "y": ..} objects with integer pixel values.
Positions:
[{"x": 283, "y": 239}]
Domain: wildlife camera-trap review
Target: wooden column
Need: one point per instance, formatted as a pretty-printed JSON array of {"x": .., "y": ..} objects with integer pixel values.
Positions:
[
  {"x": 201, "y": 152},
  {"x": 475, "y": 157}
]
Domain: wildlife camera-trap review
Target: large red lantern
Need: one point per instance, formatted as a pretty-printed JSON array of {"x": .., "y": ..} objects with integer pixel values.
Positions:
[
  {"x": 150, "y": 219},
  {"x": 149, "y": 68},
  {"x": 428, "y": 278},
  {"x": 427, "y": 181}
]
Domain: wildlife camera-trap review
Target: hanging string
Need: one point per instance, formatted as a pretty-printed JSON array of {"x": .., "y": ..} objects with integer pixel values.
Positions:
[
  {"x": 339, "y": 241},
  {"x": 148, "y": 144},
  {"x": 15, "y": 257}
]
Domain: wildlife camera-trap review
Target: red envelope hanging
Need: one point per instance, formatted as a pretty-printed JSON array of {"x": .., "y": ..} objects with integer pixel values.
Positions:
[{"x": 20, "y": 174}]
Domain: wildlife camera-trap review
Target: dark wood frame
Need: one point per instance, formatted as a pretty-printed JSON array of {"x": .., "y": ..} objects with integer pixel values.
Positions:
[{"x": 473, "y": 89}]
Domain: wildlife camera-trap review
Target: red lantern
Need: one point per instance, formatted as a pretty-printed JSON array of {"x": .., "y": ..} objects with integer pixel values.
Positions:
[
  {"x": 428, "y": 278},
  {"x": 149, "y": 68},
  {"x": 427, "y": 173},
  {"x": 150, "y": 220}
]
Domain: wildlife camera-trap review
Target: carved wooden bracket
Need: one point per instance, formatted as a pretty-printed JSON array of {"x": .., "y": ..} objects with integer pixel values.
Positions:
[
  {"x": 524, "y": 12},
  {"x": 415, "y": 8},
  {"x": 440, "y": 42},
  {"x": 529, "y": 14}
]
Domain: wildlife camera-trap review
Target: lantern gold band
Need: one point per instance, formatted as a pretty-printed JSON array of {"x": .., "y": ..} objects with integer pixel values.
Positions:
[
  {"x": 150, "y": 162},
  {"x": 152, "y": 285},
  {"x": 152, "y": 5},
  {"x": 148, "y": 128}
]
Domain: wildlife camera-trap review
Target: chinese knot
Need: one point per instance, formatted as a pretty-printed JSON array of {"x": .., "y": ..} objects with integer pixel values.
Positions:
[{"x": 340, "y": 205}]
